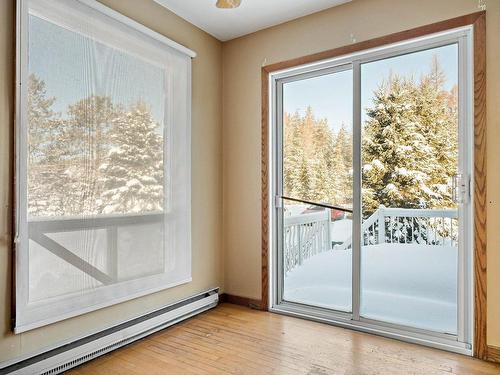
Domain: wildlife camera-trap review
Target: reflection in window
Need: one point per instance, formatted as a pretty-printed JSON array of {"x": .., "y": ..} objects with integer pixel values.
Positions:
[{"x": 91, "y": 150}]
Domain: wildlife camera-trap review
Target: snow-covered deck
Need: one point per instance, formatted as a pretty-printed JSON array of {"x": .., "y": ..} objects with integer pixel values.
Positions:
[
  {"x": 408, "y": 264},
  {"x": 410, "y": 284}
]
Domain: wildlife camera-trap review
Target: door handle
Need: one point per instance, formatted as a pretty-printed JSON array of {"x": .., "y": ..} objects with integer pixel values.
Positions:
[
  {"x": 460, "y": 189},
  {"x": 454, "y": 188}
]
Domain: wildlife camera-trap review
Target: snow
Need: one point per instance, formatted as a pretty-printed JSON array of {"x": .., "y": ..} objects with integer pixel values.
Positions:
[
  {"x": 134, "y": 182},
  {"x": 367, "y": 167},
  {"x": 148, "y": 180},
  {"x": 340, "y": 230},
  {"x": 378, "y": 164},
  {"x": 115, "y": 150},
  {"x": 413, "y": 285}
]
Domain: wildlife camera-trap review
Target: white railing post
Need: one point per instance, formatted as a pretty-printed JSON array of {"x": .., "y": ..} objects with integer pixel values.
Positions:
[
  {"x": 328, "y": 230},
  {"x": 112, "y": 251},
  {"x": 381, "y": 224},
  {"x": 299, "y": 227},
  {"x": 366, "y": 225}
]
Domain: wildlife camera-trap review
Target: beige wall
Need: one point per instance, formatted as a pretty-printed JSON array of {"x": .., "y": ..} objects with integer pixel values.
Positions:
[
  {"x": 364, "y": 19},
  {"x": 206, "y": 178}
]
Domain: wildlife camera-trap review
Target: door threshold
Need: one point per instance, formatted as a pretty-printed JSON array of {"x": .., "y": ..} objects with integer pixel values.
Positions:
[{"x": 393, "y": 331}]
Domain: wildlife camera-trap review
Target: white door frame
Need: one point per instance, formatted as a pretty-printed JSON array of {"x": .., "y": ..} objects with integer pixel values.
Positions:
[{"x": 460, "y": 343}]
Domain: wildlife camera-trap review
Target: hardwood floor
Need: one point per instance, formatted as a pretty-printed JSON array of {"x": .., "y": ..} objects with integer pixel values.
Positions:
[{"x": 236, "y": 340}]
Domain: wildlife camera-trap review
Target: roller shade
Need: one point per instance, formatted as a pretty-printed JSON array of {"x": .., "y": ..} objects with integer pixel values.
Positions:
[{"x": 103, "y": 153}]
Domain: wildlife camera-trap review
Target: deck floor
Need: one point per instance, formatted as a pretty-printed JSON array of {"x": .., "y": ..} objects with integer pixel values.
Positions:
[
  {"x": 412, "y": 285},
  {"x": 235, "y": 340}
]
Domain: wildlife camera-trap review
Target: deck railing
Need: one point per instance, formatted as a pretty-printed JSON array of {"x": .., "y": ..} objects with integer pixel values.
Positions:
[
  {"x": 305, "y": 235},
  {"x": 40, "y": 227},
  {"x": 437, "y": 227},
  {"x": 309, "y": 234}
]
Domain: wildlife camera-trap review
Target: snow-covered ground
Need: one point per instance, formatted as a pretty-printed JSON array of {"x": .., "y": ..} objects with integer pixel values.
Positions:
[{"x": 414, "y": 285}]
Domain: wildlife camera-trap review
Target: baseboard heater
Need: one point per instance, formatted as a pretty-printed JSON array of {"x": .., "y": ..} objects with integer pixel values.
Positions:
[{"x": 75, "y": 353}]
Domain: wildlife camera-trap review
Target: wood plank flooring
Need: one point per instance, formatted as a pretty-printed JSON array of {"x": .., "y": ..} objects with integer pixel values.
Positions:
[{"x": 236, "y": 340}]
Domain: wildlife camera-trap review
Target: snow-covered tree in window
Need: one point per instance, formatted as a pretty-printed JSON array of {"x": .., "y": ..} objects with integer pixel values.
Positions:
[
  {"x": 410, "y": 144},
  {"x": 317, "y": 162},
  {"x": 86, "y": 140},
  {"x": 341, "y": 170},
  {"x": 438, "y": 109},
  {"x": 41, "y": 120},
  {"x": 45, "y": 174},
  {"x": 89, "y": 123},
  {"x": 132, "y": 176}
]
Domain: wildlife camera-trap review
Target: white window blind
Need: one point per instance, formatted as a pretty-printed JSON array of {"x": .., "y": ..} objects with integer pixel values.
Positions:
[{"x": 103, "y": 161}]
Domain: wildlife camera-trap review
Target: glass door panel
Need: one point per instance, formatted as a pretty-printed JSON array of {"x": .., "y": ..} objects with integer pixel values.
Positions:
[
  {"x": 410, "y": 171},
  {"x": 317, "y": 190}
]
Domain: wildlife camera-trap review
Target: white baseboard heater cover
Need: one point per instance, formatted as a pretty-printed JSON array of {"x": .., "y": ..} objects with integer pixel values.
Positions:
[{"x": 75, "y": 353}]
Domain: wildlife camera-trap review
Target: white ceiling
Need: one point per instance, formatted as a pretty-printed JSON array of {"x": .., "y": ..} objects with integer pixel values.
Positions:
[{"x": 252, "y": 15}]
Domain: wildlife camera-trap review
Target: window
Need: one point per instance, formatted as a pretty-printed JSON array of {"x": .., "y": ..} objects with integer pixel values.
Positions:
[
  {"x": 103, "y": 161},
  {"x": 372, "y": 172}
]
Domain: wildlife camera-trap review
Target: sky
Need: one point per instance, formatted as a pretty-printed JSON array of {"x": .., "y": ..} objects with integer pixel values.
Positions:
[
  {"x": 73, "y": 67},
  {"x": 330, "y": 96}
]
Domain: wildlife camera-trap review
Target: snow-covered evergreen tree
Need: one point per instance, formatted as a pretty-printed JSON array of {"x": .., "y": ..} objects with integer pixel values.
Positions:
[
  {"x": 317, "y": 161},
  {"x": 132, "y": 175},
  {"x": 86, "y": 141},
  {"x": 45, "y": 172},
  {"x": 342, "y": 167},
  {"x": 41, "y": 120},
  {"x": 410, "y": 144},
  {"x": 88, "y": 125}
]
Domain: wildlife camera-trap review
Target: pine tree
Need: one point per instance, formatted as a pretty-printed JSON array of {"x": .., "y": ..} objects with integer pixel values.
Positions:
[
  {"x": 41, "y": 120},
  {"x": 392, "y": 173},
  {"x": 438, "y": 110},
  {"x": 132, "y": 176},
  {"x": 44, "y": 170},
  {"x": 436, "y": 76},
  {"x": 292, "y": 154},
  {"x": 309, "y": 151},
  {"x": 85, "y": 142},
  {"x": 88, "y": 125},
  {"x": 410, "y": 144},
  {"x": 342, "y": 167}
]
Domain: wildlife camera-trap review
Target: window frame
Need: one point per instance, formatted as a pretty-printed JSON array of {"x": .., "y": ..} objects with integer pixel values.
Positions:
[{"x": 139, "y": 286}]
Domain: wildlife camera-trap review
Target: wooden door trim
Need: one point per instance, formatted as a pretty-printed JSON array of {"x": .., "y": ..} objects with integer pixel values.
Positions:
[
  {"x": 478, "y": 20},
  {"x": 480, "y": 281}
]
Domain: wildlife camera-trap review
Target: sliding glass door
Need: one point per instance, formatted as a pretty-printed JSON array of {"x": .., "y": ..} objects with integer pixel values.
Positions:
[
  {"x": 410, "y": 165},
  {"x": 372, "y": 211}
]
